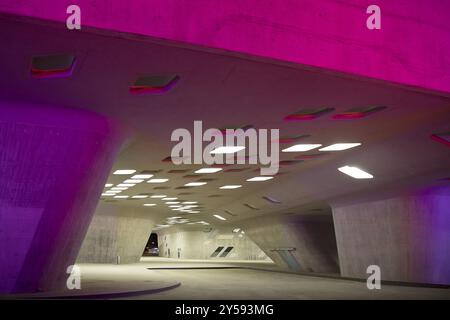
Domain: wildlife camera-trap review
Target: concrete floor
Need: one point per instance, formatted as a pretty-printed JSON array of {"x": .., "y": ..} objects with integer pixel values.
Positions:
[{"x": 241, "y": 283}]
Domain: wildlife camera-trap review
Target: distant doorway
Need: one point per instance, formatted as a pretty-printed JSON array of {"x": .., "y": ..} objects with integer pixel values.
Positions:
[{"x": 151, "y": 249}]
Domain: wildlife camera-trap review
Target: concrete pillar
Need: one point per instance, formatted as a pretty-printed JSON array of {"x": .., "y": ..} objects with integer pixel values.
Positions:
[
  {"x": 117, "y": 234},
  {"x": 408, "y": 237},
  {"x": 53, "y": 166},
  {"x": 303, "y": 243}
]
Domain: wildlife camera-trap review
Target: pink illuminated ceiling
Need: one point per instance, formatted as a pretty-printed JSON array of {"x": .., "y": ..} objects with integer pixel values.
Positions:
[
  {"x": 224, "y": 90},
  {"x": 412, "y": 47}
]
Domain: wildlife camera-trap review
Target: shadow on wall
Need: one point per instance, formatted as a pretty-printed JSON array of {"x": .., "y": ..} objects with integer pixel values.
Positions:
[{"x": 299, "y": 243}]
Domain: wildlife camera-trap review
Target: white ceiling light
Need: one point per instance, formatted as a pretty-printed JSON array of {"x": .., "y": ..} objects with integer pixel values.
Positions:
[
  {"x": 208, "y": 170},
  {"x": 149, "y": 204},
  {"x": 156, "y": 196},
  {"x": 174, "y": 217},
  {"x": 236, "y": 230},
  {"x": 355, "y": 172},
  {"x": 301, "y": 147},
  {"x": 124, "y": 171},
  {"x": 108, "y": 185},
  {"x": 121, "y": 197},
  {"x": 142, "y": 176},
  {"x": 119, "y": 188},
  {"x": 231, "y": 186},
  {"x": 133, "y": 181},
  {"x": 107, "y": 194},
  {"x": 126, "y": 184},
  {"x": 173, "y": 202},
  {"x": 139, "y": 196},
  {"x": 340, "y": 146},
  {"x": 170, "y": 199},
  {"x": 194, "y": 184},
  {"x": 259, "y": 179},
  {"x": 219, "y": 217},
  {"x": 174, "y": 206},
  {"x": 160, "y": 180},
  {"x": 194, "y": 211},
  {"x": 189, "y": 202},
  {"x": 227, "y": 149}
]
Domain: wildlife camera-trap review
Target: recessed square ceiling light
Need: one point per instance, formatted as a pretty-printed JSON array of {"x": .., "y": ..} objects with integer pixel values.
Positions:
[
  {"x": 172, "y": 202},
  {"x": 124, "y": 171},
  {"x": 340, "y": 146},
  {"x": 108, "y": 194},
  {"x": 355, "y": 172},
  {"x": 156, "y": 196},
  {"x": 52, "y": 66},
  {"x": 139, "y": 196},
  {"x": 142, "y": 176},
  {"x": 208, "y": 170},
  {"x": 170, "y": 198},
  {"x": 194, "y": 184},
  {"x": 126, "y": 185},
  {"x": 308, "y": 114},
  {"x": 190, "y": 202},
  {"x": 254, "y": 179},
  {"x": 301, "y": 147},
  {"x": 133, "y": 181},
  {"x": 160, "y": 180},
  {"x": 231, "y": 186},
  {"x": 154, "y": 84},
  {"x": 219, "y": 217},
  {"x": 356, "y": 113},
  {"x": 108, "y": 185},
  {"x": 121, "y": 197},
  {"x": 149, "y": 204},
  {"x": 227, "y": 149}
]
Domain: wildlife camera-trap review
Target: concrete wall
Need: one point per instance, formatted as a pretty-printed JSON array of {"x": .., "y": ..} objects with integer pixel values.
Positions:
[
  {"x": 328, "y": 34},
  {"x": 408, "y": 237},
  {"x": 54, "y": 163},
  {"x": 311, "y": 236},
  {"x": 200, "y": 244},
  {"x": 117, "y": 231}
]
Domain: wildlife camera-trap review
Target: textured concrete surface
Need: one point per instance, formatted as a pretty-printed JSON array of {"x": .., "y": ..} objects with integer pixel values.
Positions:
[
  {"x": 311, "y": 237},
  {"x": 326, "y": 34},
  {"x": 117, "y": 234},
  {"x": 54, "y": 162},
  {"x": 408, "y": 237}
]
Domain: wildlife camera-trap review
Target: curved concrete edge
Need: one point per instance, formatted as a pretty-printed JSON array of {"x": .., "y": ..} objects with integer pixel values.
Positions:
[{"x": 91, "y": 295}]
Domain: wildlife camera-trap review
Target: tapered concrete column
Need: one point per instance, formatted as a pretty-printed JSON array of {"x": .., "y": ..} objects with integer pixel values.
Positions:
[
  {"x": 408, "y": 237},
  {"x": 303, "y": 243},
  {"x": 117, "y": 234},
  {"x": 53, "y": 166}
]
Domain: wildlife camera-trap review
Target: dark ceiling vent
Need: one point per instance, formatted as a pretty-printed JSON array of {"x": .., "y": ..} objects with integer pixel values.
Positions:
[
  {"x": 230, "y": 213},
  {"x": 357, "y": 113},
  {"x": 52, "y": 66},
  {"x": 271, "y": 200},
  {"x": 178, "y": 171},
  {"x": 308, "y": 114},
  {"x": 310, "y": 156},
  {"x": 236, "y": 169},
  {"x": 251, "y": 206},
  {"x": 290, "y": 162},
  {"x": 443, "y": 137},
  {"x": 154, "y": 84},
  {"x": 293, "y": 138}
]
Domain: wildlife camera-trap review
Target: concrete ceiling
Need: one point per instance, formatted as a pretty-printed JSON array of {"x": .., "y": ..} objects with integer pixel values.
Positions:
[{"x": 222, "y": 89}]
